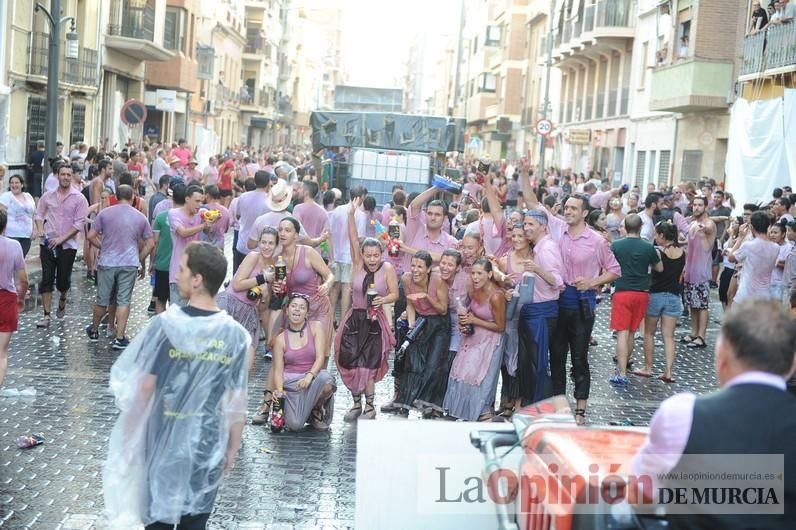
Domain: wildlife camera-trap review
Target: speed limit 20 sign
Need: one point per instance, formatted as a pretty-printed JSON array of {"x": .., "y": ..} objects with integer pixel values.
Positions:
[{"x": 544, "y": 127}]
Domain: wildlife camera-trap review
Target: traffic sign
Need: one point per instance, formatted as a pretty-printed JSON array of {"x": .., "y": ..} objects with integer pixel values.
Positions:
[
  {"x": 544, "y": 127},
  {"x": 133, "y": 113}
]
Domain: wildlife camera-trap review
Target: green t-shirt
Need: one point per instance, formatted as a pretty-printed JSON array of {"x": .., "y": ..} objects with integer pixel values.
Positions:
[
  {"x": 163, "y": 254},
  {"x": 635, "y": 256}
]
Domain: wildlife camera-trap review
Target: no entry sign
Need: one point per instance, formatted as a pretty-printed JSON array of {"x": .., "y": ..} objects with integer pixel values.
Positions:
[{"x": 133, "y": 113}]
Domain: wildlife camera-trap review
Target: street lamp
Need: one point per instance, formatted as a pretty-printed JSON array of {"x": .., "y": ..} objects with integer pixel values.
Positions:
[{"x": 71, "y": 52}]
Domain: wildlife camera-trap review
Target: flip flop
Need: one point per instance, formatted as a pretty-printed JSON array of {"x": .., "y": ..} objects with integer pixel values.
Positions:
[
  {"x": 665, "y": 379},
  {"x": 641, "y": 373},
  {"x": 686, "y": 339}
]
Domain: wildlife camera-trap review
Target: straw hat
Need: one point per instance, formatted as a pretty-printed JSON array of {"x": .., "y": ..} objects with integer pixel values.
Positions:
[
  {"x": 174, "y": 160},
  {"x": 279, "y": 196}
]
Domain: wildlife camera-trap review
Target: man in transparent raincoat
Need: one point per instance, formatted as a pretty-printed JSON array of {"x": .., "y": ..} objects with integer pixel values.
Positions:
[{"x": 181, "y": 390}]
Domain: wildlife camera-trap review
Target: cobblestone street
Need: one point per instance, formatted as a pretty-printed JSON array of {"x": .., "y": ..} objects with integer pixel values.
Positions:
[{"x": 292, "y": 480}]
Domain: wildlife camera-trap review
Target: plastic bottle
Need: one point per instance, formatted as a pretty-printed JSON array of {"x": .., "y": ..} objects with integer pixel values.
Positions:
[
  {"x": 468, "y": 329},
  {"x": 280, "y": 269},
  {"x": 526, "y": 288},
  {"x": 371, "y": 294},
  {"x": 394, "y": 231}
]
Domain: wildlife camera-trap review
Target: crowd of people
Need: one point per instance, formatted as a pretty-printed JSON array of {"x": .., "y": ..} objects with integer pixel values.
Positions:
[{"x": 497, "y": 281}]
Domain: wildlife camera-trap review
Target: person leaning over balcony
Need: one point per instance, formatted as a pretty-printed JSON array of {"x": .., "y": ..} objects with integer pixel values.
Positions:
[{"x": 759, "y": 18}]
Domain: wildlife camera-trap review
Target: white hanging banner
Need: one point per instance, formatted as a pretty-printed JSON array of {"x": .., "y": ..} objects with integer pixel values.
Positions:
[{"x": 761, "y": 151}]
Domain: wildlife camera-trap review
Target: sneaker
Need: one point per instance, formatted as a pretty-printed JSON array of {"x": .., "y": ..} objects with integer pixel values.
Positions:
[
  {"x": 120, "y": 344},
  {"x": 268, "y": 355},
  {"x": 44, "y": 322},
  {"x": 619, "y": 380},
  {"x": 93, "y": 335}
]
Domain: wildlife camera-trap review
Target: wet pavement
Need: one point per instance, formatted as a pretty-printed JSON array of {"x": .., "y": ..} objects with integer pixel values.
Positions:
[{"x": 289, "y": 480}]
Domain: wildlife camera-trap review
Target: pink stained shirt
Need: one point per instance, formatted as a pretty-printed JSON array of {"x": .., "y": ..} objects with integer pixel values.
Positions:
[
  {"x": 183, "y": 153},
  {"x": 417, "y": 236},
  {"x": 547, "y": 255},
  {"x": 11, "y": 261},
  {"x": 699, "y": 262},
  {"x": 586, "y": 256},
  {"x": 492, "y": 235},
  {"x": 251, "y": 205},
  {"x": 177, "y": 218},
  {"x": 162, "y": 206},
  {"x": 61, "y": 214},
  {"x": 233, "y": 214},
  {"x": 121, "y": 227},
  {"x": 211, "y": 175},
  {"x": 312, "y": 217},
  {"x": 600, "y": 199},
  {"x": 271, "y": 219},
  {"x": 220, "y": 228},
  {"x": 338, "y": 225}
]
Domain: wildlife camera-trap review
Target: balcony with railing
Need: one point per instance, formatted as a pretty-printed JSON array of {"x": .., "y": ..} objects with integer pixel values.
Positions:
[
  {"x": 770, "y": 52},
  {"x": 131, "y": 30},
  {"x": 691, "y": 85},
  {"x": 603, "y": 20},
  {"x": 255, "y": 41},
  {"x": 81, "y": 71}
]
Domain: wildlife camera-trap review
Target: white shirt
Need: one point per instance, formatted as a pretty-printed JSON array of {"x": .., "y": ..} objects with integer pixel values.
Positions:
[
  {"x": 759, "y": 257},
  {"x": 20, "y": 214},
  {"x": 647, "y": 227}
]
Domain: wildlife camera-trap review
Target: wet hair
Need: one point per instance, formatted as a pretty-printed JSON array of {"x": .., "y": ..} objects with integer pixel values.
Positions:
[
  {"x": 437, "y": 204},
  {"x": 261, "y": 179},
  {"x": 212, "y": 192},
  {"x": 425, "y": 256},
  {"x": 3, "y": 220},
  {"x": 206, "y": 259},
  {"x": 703, "y": 199},
  {"x": 328, "y": 198},
  {"x": 760, "y": 222},
  {"x": 369, "y": 204},
  {"x": 400, "y": 211},
  {"x": 300, "y": 296},
  {"x": 412, "y": 196},
  {"x": 485, "y": 263},
  {"x": 164, "y": 181},
  {"x": 761, "y": 334},
  {"x": 592, "y": 219},
  {"x": 668, "y": 231},
  {"x": 102, "y": 164},
  {"x": 293, "y": 221},
  {"x": 311, "y": 187},
  {"x": 271, "y": 231},
  {"x": 751, "y": 207},
  {"x": 249, "y": 184},
  {"x": 485, "y": 205},
  {"x": 550, "y": 201},
  {"x": 178, "y": 194},
  {"x": 473, "y": 234},
  {"x": 126, "y": 178},
  {"x": 370, "y": 242},
  {"x": 191, "y": 189},
  {"x": 453, "y": 253}
]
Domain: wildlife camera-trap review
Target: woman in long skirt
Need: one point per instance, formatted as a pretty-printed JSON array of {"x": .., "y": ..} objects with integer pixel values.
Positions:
[
  {"x": 364, "y": 340},
  {"x": 512, "y": 266},
  {"x": 253, "y": 273},
  {"x": 474, "y": 374},
  {"x": 425, "y": 366},
  {"x": 298, "y": 369},
  {"x": 305, "y": 268}
]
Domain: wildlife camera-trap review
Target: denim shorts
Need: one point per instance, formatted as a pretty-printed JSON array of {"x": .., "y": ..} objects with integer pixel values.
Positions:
[{"x": 664, "y": 305}]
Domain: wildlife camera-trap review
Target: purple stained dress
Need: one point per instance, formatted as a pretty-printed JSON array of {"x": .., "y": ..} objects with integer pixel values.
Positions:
[
  {"x": 303, "y": 279},
  {"x": 472, "y": 383},
  {"x": 299, "y": 403},
  {"x": 362, "y": 345}
]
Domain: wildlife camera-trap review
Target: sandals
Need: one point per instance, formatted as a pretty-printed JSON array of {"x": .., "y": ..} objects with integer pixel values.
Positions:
[
  {"x": 370, "y": 410},
  {"x": 666, "y": 379},
  {"x": 642, "y": 373},
  {"x": 698, "y": 342},
  {"x": 261, "y": 417},
  {"x": 506, "y": 412},
  {"x": 355, "y": 411},
  {"x": 45, "y": 321},
  {"x": 61, "y": 311},
  {"x": 688, "y": 339},
  {"x": 316, "y": 419},
  {"x": 580, "y": 416}
]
